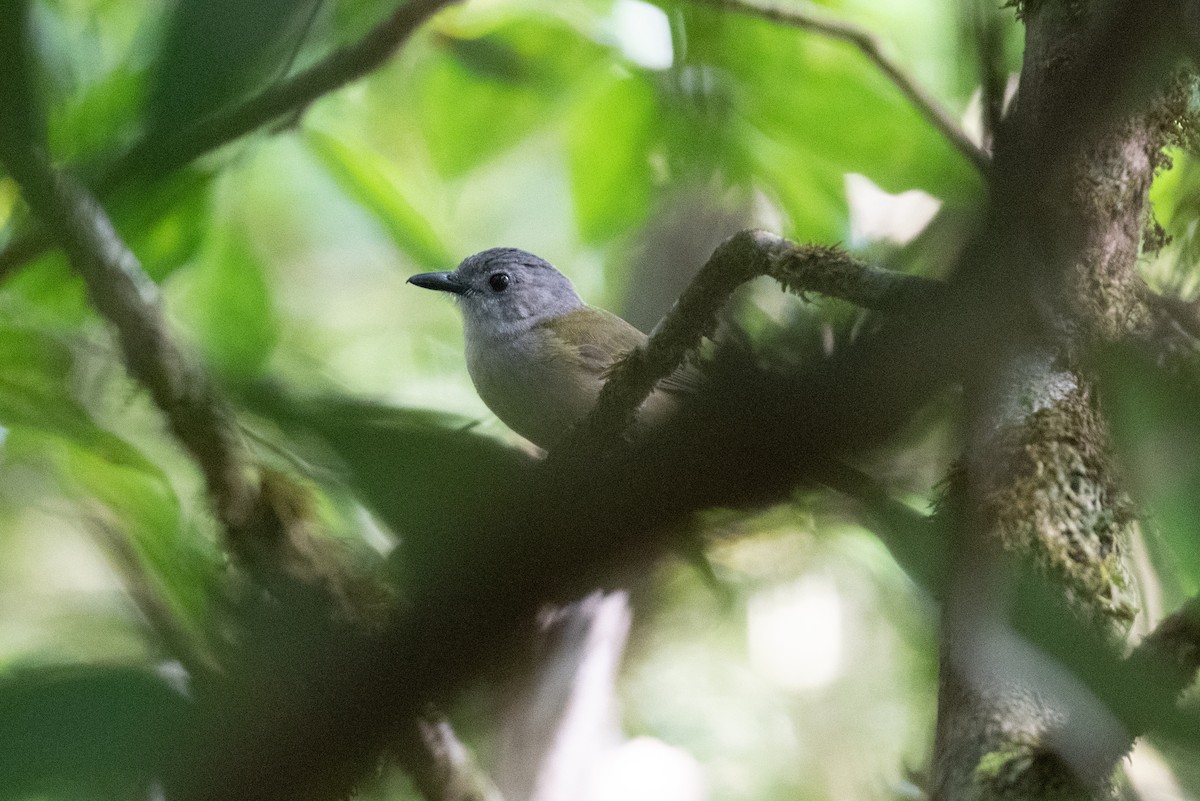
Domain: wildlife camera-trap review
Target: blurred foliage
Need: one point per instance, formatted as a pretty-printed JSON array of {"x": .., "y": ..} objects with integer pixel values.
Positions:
[
  {"x": 570, "y": 129},
  {"x": 215, "y": 51},
  {"x": 85, "y": 732},
  {"x": 1156, "y": 420}
]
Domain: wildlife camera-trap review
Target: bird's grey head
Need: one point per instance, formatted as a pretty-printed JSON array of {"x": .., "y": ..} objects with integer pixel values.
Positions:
[{"x": 504, "y": 290}]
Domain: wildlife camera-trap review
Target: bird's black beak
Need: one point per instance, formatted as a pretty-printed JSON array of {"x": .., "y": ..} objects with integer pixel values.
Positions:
[{"x": 442, "y": 282}]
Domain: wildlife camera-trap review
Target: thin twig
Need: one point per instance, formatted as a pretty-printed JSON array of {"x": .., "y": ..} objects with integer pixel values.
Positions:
[
  {"x": 873, "y": 48},
  {"x": 166, "y": 150},
  {"x": 832, "y": 272},
  {"x": 159, "y": 152},
  {"x": 745, "y": 255}
]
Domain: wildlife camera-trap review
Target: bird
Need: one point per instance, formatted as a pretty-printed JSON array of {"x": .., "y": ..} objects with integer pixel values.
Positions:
[{"x": 537, "y": 354}]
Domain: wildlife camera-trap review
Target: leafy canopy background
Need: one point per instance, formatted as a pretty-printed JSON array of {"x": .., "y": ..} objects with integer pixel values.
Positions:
[{"x": 602, "y": 135}]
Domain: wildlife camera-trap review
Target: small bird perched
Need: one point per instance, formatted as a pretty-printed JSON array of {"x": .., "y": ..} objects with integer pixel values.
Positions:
[{"x": 537, "y": 354}]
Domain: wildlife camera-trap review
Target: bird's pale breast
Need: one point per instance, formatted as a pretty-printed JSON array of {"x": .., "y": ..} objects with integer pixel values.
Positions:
[
  {"x": 542, "y": 380},
  {"x": 528, "y": 382}
]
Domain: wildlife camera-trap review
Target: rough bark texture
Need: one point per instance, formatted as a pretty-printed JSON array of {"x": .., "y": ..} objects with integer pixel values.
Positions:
[{"x": 1038, "y": 484}]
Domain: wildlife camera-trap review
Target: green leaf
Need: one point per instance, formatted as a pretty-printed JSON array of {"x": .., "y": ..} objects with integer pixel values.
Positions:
[
  {"x": 164, "y": 222},
  {"x": 816, "y": 108},
  {"x": 53, "y": 292},
  {"x": 86, "y": 731},
  {"x": 93, "y": 71},
  {"x": 352, "y": 19},
  {"x": 226, "y": 300},
  {"x": 811, "y": 190},
  {"x": 609, "y": 143},
  {"x": 36, "y": 393},
  {"x": 481, "y": 95},
  {"x": 217, "y": 50},
  {"x": 98, "y": 117},
  {"x": 466, "y": 122},
  {"x": 181, "y": 559},
  {"x": 1155, "y": 420},
  {"x": 422, "y": 471},
  {"x": 372, "y": 181}
]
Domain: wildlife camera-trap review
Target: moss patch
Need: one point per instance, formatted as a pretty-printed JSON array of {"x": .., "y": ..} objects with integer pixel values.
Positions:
[
  {"x": 1023, "y": 770},
  {"x": 1053, "y": 499}
]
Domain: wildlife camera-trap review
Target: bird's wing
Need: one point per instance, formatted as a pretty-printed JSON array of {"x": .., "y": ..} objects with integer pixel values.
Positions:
[
  {"x": 596, "y": 338},
  {"x": 599, "y": 339}
]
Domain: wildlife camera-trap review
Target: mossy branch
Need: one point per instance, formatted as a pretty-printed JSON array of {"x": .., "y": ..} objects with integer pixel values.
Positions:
[
  {"x": 122, "y": 293},
  {"x": 745, "y": 255},
  {"x": 257, "y": 515}
]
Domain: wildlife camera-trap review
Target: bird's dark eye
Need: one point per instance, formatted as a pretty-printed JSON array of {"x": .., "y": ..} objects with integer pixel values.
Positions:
[{"x": 498, "y": 281}]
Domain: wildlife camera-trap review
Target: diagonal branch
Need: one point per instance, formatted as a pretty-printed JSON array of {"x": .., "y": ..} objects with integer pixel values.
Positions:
[
  {"x": 159, "y": 152},
  {"x": 745, "y": 255},
  {"x": 260, "y": 530},
  {"x": 123, "y": 293},
  {"x": 162, "y": 152},
  {"x": 1128, "y": 697},
  {"x": 873, "y": 48},
  {"x": 910, "y": 536}
]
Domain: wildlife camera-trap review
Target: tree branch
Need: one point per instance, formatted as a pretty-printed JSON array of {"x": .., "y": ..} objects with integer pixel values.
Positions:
[
  {"x": 159, "y": 152},
  {"x": 260, "y": 528},
  {"x": 1174, "y": 643},
  {"x": 129, "y": 299},
  {"x": 164, "y": 151},
  {"x": 1125, "y": 698},
  {"x": 745, "y": 255},
  {"x": 873, "y": 48}
]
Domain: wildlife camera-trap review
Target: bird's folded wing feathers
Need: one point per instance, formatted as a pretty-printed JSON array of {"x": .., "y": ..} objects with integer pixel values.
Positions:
[{"x": 599, "y": 344}]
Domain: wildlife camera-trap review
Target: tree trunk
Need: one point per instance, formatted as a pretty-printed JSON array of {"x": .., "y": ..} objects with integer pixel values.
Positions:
[{"x": 1038, "y": 485}]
